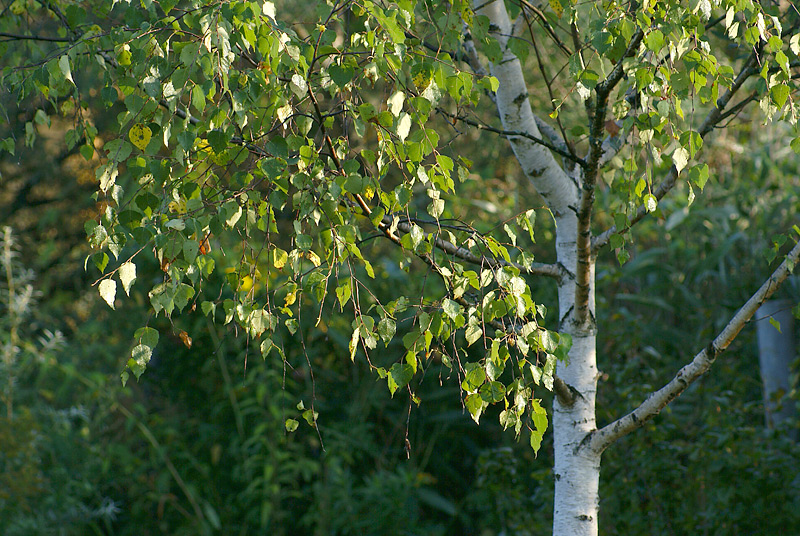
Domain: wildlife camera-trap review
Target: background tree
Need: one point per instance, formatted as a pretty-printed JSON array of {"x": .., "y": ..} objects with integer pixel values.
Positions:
[{"x": 291, "y": 149}]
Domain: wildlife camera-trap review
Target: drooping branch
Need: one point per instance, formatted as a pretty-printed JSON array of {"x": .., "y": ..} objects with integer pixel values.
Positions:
[
  {"x": 601, "y": 439},
  {"x": 711, "y": 120}
]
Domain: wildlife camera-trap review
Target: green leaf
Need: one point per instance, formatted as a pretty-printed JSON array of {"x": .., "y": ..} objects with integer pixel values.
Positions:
[
  {"x": 341, "y": 75},
  {"x": 127, "y": 275},
  {"x": 692, "y": 141},
  {"x": 780, "y": 93},
  {"x": 650, "y": 203},
  {"x": 395, "y": 103},
  {"x": 399, "y": 376},
  {"x": 310, "y": 417},
  {"x": 218, "y": 141},
  {"x": 492, "y": 392},
  {"x": 140, "y": 357},
  {"x": 298, "y": 86},
  {"x": 291, "y": 425},
  {"x": 699, "y": 175},
  {"x": 63, "y": 65},
  {"x": 451, "y": 308},
  {"x": 536, "y": 373},
  {"x": 680, "y": 158},
  {"x": 549, "y": 341},
  {"x": 473, "y": 333},
  {"x": 475, "y": 405},
  {"x": 386, "y": 329},
  {"x": 539, "y": 419},
  {"x": 403, "y": 126},
  {"x": 474, "y": 378},
  {"x": 266, "y": 347},
  {"x": 343, "y": 292},
  {"x": 353, "y": 346},
  {"x": 548, "y": 371},
  {"x": 146, "y": 336},
  {"x": 783, "y": 61}
]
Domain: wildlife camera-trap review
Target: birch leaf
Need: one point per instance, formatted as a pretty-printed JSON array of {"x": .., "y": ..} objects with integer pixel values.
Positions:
[
  {"x": 404, "y": 127},
  {"x": 396, "y": 103},
  {"x": 680, "y": 158},
  {"x": 127, "y": 275},
  {"x": 299, "y": 86},
  {"x": 63, "y": 65},
  {"x": 140, "y": 135},
  {"x": 108, "y": 291}
]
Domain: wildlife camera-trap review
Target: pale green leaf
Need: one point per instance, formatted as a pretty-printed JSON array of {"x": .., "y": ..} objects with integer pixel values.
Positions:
[
  {"x": 680, "y": 158},
  {"x": 63, "y": 65},
  {"x": 473, "y": 333},
  {"x": 395, "y": 103},
  {"x": 475, "y": 406},
  {"x": 403, "y": 126},
  {"x": 108, "y": 291},
  {"x": 127, "y": 275}
]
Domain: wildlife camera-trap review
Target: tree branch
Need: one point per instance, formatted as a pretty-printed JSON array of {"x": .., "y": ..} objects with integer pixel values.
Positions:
[
  {"x": 712, "y": 120},
  {"x": 583, "y": 282},
  {"x": 517, "y": 133},
  {"x": 566, "y": 393},
  {"x": 601, "y": 439},
  {"x": 19, "y": 37}
]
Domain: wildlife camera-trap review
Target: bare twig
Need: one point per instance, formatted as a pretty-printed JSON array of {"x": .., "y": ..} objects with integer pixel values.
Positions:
[{"x": 562, "y": 151}]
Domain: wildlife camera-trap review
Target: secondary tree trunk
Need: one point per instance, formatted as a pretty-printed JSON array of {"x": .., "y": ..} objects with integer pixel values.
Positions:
[
  {"x": 577, "y": 465},
  {"x": 776, "y": 353}
]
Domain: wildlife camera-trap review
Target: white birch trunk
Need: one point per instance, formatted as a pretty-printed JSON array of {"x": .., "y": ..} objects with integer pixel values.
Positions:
[{"x": 577, "y": 464}]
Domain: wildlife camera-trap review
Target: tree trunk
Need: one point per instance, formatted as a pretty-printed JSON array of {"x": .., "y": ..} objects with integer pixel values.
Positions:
[{"x": 577, "y": 464}]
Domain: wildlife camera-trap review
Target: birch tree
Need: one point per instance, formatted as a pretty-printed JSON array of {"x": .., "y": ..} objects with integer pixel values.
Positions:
[{"x": 308, "y": 151}]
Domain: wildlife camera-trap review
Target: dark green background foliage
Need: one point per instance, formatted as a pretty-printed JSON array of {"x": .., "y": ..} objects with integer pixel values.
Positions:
[{"x": 198, "y": 445}]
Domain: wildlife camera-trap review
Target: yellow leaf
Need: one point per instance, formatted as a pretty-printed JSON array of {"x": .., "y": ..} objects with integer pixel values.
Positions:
[
  {"x": 178, "y": 207},
  {"x": 246, "y": 283},
  {"x": 558, "y": 8},
  {"x": 140, "y": 136}
]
